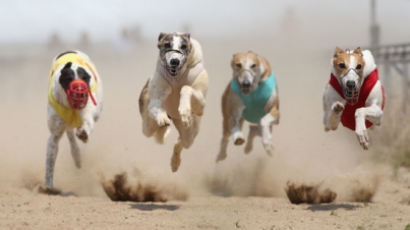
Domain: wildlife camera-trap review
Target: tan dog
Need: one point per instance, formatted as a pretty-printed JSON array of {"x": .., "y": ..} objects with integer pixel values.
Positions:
[
  {"x": 354, "y": 94},
  {"x": 252, "y": 95},
  {"x": 176, "y": 92}
]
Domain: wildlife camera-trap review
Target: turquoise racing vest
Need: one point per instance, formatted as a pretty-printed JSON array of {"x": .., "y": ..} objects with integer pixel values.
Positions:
[{"x": 256, "y": 101}]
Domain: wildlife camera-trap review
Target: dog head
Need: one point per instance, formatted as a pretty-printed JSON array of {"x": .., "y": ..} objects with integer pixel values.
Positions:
[
  {"x": 174, "y": 49},
  {"x": 76, "y": 83},
  {"x": 248, "y": 70},
  {"x": 348, "y": 68},
  {"x": 71, "y": 72}
]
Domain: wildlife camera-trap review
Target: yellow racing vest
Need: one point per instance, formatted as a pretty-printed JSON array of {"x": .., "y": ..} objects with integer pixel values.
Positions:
[{"x": 69, "y": 115}]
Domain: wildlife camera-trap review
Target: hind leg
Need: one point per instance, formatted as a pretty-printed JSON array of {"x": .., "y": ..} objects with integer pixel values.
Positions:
[
  {"x": 253, "y": 132},
  {"x": 231, "y": 126},
  {"x": 186, "y": 138},
  {"x": 57, "y": 127},
  {"x": 75, "y": 150}
]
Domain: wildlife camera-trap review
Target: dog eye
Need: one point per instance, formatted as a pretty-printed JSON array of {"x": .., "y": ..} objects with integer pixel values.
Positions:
[
  {"x": 253, "y": 66},
  {"x": 342, "y": 65},
  {"x": 167, "y": 45},
  {"x": 239, "y": 65},
  {"x": 359, "y": 66},
  {"x": 183, "y": 47}
]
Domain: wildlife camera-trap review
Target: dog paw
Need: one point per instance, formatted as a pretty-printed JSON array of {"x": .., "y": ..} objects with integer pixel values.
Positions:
[
  {"x": 221, "y": 156},
  {"x": 268, "y": 148},
  {"x": 238, "y": 138},
  {"x": 82, "y": 135},
  {"x": 248, "y": 148},
  {"x": 175, "y": 162},
  {"x": 163, "y": 120},
  {"x": 338, "y": 107},
  {"x": 186, "y": 116},
  {"x": 48, "y": 190},
  {"x": 239, "y": 141},
  {"x": 363, "y": 138}
]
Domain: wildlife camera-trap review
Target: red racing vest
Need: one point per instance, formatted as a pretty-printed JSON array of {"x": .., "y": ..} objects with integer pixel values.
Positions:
[{"x": 348, "y": 116}]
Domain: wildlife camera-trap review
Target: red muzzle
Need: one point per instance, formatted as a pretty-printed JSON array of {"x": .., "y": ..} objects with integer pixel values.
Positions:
[{"x": 77, "y": 94}]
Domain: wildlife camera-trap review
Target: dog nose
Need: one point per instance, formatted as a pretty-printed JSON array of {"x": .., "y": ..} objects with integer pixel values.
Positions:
[
  {"x": 174, "y": 62},
  {"x": 350, "y": 84}
]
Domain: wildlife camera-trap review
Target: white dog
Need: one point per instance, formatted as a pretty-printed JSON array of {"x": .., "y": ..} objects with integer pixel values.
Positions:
[
  {"x": 354, "y": 94},
  {"x": 74, "y": 105},
  {"x": 176, "y": 92},
  {"x": 251, "y": 95}
]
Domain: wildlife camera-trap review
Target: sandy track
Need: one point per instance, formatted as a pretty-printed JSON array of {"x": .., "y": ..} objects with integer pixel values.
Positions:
[{"x": 24, "y": 209}]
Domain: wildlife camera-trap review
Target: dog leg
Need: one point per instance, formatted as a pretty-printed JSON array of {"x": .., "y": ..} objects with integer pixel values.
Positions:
[
  {"x": 238, "y": 137},
  {"x": 332, "y": 117},
  {"x": 161, "y": 133},
  {"x": 266, "y": 124},
  {"x": 57, "y": 127},
  {"x": 190, "y": 99},
  {"x": 176, "y": 156},
  {"x": 75, "y": 150},
  {"x": 83, "y": 132},
  {"x": 372, "y": 113},
  {"x": 222, "y": 150},
  {"x": 253, "y": 132},
  {"x": 158, "y": 91},
  {"x": 185, "y": 140}
]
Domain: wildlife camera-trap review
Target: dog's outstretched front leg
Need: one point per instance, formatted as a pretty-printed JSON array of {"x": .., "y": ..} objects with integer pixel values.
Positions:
[
  {"x": 158, "y": 93},
  {"x": 191, "y": 100},
  {"x": 238, "y": 137},
  {"x": 87, "y": 126},
  {"x": 231, "y": 125},
  {"x": 57, "y": 127},
  {"x": 332, "y": 117},
  {"x": 266, "y": 125},
  {"x": 372, "y": 113}
]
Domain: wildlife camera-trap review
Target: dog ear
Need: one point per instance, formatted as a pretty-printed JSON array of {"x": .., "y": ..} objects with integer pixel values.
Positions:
[
  {"x": 68, "y": 65},
  {"x": 161, "y": 35},
  {"x": 358, "y": 51},
  {"x": 338, "y": 51},
  {"x": 187, "y": 35}
]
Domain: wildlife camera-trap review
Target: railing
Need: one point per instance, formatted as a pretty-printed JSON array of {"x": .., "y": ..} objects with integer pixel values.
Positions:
[{"x": 397, "y": 53}]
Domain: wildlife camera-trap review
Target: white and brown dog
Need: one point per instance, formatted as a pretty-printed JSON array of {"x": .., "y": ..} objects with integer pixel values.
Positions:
[
  {"x": 74, "y": 104},
  {"x": 354, "y": 94},
  {"x": 176, "y": 92},
  {"x": 251, "y": 95}
]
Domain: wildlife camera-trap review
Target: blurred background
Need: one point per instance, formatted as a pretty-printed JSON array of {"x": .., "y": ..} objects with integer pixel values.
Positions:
[{"x": 297, "y": 37}]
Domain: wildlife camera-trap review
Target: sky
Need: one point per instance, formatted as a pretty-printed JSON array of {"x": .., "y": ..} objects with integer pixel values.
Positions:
[{"x": 35, "y": 20}]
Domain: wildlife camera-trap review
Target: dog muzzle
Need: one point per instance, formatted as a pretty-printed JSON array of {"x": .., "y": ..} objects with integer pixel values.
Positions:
[
  {"x": 351, "y": 96},
  {"x": 77, "y": 94}
]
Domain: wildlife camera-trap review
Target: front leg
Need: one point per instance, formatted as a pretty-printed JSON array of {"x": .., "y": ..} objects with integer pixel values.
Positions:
[
  {"x": 57, "y": 127},
  {"x": 87, "y": 126},
  {"x": 158, "y": 92},
  {"x": 333, "y": 106},
  {"x": 231, "y": 126},
  {"x": 372, "y": 113},
  {"x": 332, "y": 117},
  {"x": 266, "y": 126},
  {"x": 190, "y": 99}
]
